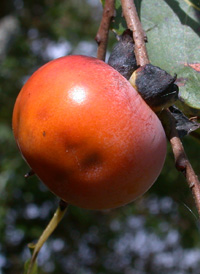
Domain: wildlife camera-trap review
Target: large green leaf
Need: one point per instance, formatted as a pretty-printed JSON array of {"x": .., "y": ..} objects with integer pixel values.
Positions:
[{"x": 173, "y": 30}]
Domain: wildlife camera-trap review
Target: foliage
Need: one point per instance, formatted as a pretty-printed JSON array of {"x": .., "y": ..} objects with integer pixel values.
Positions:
[
  {"x": 174, "y": 24},
  {"x": 171, "y": 25},
  {"x": 158, "y": 233}
]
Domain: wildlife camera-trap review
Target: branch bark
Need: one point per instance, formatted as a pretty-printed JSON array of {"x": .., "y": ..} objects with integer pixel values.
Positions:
[
  {"x": 103, "y": 31},
  {"x": 133, "y": 23},
  {"x": 181, "y": 161}
]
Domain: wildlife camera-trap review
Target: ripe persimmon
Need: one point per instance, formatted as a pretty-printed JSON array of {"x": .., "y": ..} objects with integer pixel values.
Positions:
[{"x": 88, "y": 134}]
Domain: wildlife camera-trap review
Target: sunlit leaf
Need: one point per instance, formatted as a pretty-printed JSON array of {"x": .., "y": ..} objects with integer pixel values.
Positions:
[{"x": 174, "y": 45}]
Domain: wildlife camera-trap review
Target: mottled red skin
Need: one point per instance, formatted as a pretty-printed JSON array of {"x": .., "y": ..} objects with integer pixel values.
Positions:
[{"x": 88, "y": 134}]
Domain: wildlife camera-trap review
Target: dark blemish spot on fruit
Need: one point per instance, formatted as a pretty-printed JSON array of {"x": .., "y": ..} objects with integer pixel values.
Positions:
[
  {"x": 44, "y": 133},
  {"x": 91, "y": 160},
  {"x": 43, "y": 114},
  {"x": 72, "y": 147}
]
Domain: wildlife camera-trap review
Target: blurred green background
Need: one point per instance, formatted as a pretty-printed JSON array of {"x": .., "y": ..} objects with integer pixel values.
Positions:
[{"x": 158, "y": 233}]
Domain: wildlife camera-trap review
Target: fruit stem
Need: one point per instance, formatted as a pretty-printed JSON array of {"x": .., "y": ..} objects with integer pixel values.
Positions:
[{"x": 57, "y": 217}]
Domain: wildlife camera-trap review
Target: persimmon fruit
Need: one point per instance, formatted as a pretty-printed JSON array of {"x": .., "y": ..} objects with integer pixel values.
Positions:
[{"x": 88, "y": 134}]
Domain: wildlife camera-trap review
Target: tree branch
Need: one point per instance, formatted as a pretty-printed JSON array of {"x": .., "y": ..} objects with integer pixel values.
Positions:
[
  {"x": 181, "y": 161},
  {"x": 103, "y": 31},
  {"x": 133, "y": 23}
]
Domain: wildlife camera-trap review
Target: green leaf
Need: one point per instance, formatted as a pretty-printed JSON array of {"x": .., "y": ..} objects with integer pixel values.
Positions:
[
  {"x": 119, "y": 24},
  {"x": 172, "y": 29},
  {"x": 102, "y": 2},
  {"x": 34, "y": 270}
]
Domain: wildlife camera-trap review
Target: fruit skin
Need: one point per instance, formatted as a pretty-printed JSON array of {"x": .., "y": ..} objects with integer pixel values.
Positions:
[{"x": 87, "y": 133}]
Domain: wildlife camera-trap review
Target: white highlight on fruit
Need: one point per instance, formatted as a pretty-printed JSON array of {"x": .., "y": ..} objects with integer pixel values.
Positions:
[{"x": 77, "y": 94}]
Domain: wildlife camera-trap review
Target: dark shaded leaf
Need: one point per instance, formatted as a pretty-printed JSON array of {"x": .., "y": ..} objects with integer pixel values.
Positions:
[
  {"x": 184, "y": 125},
  {"x": 119, "y": 24}
]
